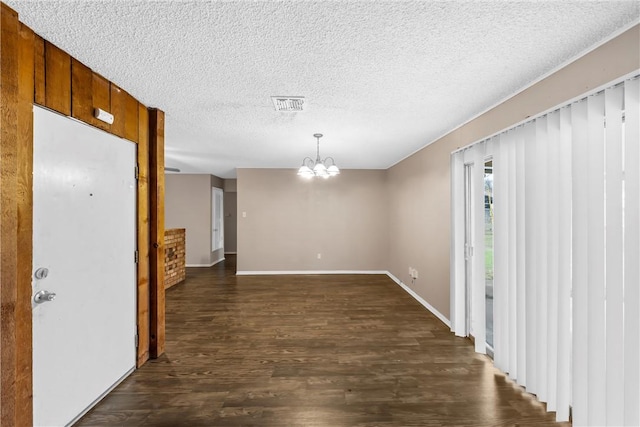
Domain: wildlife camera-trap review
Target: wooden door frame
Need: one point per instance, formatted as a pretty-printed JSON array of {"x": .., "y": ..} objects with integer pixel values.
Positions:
[
  {"x": 22, "y": 84},
  {"x": 156, "y": 230},
  {"x": 16, "y": 202}
]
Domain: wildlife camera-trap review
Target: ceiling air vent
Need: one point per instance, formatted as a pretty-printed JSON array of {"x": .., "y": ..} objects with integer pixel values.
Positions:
[{"x": 288, "y": 103}]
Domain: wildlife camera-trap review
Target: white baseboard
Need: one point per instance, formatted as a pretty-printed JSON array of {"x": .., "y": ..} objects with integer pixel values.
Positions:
[
  {"x": 302, "y": 272},
  {"x": 205, "y": 265},
  {"x": 420, "y": 300}
]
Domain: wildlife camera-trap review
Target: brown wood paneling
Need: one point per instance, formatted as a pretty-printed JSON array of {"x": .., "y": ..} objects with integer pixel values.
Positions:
[
  {"x": 57, "y": 79},
  {"x": 143, "y": 235},
  {"x": 35, "y": 71},
  {"x": 39, "y": 80},
  {"x": 81, "y": 92},
  {"x": 156, "y": 218},
  {"x": 88, "y": 92},
  {"x": 16, "y": 128},
  {"x": 130, "y": 118},
  {"x": 118, "y": 109},
  {"x": 24, "y": 385},
  {"x": 101, "y": 96},
  {"x": 8, "y": 213}
]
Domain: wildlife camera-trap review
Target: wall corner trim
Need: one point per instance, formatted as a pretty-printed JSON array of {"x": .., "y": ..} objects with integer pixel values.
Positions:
[{"x": 420, "y": 300}]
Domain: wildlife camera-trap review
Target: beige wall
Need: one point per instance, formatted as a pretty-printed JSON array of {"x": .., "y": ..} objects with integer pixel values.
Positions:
[
  {"x": 289, "y": 220},
  {"x": 419, "y": 199},
  {"x": 188, "y": 206},
  {"x": 230, "y": 185},
  {"x": 230, "y": 216}
]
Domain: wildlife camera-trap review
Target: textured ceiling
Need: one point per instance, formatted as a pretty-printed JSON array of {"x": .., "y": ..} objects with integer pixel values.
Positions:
[{"x": 381, "y": 78}]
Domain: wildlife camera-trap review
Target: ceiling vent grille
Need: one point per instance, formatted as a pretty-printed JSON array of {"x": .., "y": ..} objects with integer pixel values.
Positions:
[{"x": 293, "y": 104}]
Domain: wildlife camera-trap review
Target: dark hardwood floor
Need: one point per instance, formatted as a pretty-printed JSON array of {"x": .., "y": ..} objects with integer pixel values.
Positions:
[{"x": 324, "y": 351}]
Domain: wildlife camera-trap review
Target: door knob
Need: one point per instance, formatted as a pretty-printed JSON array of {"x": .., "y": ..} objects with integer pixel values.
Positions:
[{"x": 43, "y": 296}]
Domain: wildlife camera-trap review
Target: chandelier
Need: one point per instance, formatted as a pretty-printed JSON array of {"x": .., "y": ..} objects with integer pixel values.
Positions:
[{"x": 324, "y": 168}]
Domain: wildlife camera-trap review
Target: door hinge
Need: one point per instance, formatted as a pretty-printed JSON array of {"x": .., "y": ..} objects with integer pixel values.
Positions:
[
  {"x": 137, "y": 339},
  {"x": 136, "y": 256},
  {"x": 137, "y": 171}
]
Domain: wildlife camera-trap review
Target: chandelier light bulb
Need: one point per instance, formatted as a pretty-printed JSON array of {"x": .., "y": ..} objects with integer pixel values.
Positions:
[{"x": 321, "y": 168}]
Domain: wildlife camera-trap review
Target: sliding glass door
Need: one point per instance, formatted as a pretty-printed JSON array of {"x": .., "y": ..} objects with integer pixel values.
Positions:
[
  {"x": 488, "y": 251},
  {"x": 468, "y": 244}
]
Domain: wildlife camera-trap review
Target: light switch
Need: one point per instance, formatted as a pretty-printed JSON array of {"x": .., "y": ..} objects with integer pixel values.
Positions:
[{"x": 244, "y": 214}]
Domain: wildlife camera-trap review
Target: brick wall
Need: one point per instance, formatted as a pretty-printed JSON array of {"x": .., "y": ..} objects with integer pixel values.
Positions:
[{"x": 174, "y": 256}]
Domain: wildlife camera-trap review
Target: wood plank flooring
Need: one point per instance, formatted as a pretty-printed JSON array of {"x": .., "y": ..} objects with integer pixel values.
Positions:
[{"x": 330, "y": 351}]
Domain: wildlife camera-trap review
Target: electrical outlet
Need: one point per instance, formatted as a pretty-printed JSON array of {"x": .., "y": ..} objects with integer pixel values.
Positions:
[
  {"x": 415, "y": 274},
  {"x": 319, "y": 256}
]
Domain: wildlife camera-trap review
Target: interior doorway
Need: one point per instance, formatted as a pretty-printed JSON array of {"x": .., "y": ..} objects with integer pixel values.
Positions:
[{"x": 217, "y": 219}]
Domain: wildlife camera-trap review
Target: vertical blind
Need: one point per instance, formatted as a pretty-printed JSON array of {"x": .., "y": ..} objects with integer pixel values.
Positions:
[{"x": 566, "y": 256}]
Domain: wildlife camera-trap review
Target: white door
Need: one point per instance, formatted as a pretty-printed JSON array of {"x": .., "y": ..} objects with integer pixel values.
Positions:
[
  {"x": 217, "y": 219},
  {"x": 84, "y": 228}
]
